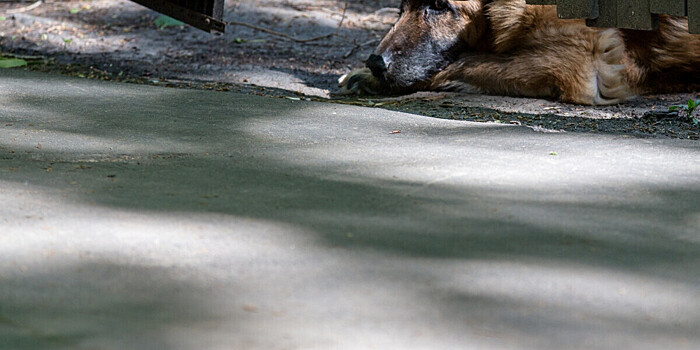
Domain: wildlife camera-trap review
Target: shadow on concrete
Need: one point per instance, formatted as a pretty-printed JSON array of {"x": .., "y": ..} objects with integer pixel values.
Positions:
[
  {"x": 205, "y": 159},
  {"x": 149, "y": 150},
  {"x": 126, "y": 304}
]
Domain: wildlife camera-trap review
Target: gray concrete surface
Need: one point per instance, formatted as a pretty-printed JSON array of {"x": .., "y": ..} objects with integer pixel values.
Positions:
[{"x": 137, "y": 217}]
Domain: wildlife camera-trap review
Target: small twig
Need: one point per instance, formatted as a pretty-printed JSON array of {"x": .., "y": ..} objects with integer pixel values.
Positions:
[
  {"x": 289, "y": 37},
  {"x": 357, "y": 46},
  {"x": 24, "y": 57},
  {"x": 389, "y": 10},
  {"x": 25, "y": 8}
]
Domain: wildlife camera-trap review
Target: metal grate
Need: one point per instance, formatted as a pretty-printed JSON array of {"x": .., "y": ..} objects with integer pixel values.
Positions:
[
  {"x": 205, "y": 14},
  {"x": 632, "y": 14}
]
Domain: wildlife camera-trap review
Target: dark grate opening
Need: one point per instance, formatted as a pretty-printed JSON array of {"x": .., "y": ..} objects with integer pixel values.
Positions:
[{"x": 206, "y": 15}]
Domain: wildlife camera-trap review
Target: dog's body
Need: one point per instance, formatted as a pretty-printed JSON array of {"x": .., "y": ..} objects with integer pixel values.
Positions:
[{"x": 506, "y": 47}]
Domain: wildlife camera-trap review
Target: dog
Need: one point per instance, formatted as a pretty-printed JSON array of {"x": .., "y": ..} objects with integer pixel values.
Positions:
[{"x": 506, "y": 47}]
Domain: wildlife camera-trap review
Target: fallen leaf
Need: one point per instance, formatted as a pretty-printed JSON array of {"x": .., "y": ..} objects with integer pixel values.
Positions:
[
  {"x": 166, "y": 21},
  {"x": 12, "y": 62},
  {"x": 250, "y": 308}
]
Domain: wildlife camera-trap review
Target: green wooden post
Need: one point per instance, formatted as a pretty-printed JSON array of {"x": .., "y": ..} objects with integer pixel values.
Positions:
[
  {"x": 668, "y": 7},
  {"x": 631, "y": 14},
  {"x": 577, "y": 9},
  {"x": 607, "y": 15},
  {"x": 634, "y": 14},
  {"x": 694, "y": 16}
]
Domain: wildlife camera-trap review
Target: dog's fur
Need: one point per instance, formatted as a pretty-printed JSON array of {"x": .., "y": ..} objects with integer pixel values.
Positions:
[{"x": 506, "y": 47}]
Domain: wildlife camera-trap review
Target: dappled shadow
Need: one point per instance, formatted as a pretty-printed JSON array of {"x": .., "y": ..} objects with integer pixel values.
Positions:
[
  {"x": 448, "y": 222},
  {"x": 87, "y": 303},
  {"x": 256, "y": 167},
  {"x": 447, "y": 232}
]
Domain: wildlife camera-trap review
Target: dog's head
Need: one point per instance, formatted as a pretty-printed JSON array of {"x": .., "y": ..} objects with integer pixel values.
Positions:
[{"x": 427, "y": 37}]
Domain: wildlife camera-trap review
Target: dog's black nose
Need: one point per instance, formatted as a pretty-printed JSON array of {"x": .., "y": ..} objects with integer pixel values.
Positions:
[{"x": 376, "y": 64}]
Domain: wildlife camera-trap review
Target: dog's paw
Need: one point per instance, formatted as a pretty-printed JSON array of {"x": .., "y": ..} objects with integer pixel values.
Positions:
[
  {"x": 359, "y": 82},
  {"x": 609, "y": 82}
]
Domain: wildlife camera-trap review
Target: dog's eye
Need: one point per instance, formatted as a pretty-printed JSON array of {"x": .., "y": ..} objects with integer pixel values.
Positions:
[
  {"x": 437, "y": 6},
  {"x": 440, "y": 5}
]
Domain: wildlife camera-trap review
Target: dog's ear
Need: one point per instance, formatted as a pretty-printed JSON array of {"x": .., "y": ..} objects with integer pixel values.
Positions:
[{"x": 472, "y": 12}]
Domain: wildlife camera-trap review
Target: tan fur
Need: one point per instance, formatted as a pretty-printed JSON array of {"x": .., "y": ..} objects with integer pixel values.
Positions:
[{"x": 510, "y": 48}]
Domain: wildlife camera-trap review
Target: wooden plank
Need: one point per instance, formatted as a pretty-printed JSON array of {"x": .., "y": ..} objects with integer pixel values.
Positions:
[
  {"x": 694, "y": 16},
  {"x": 577, "y": 9},
  {"x": 668, "y": 7},
  {"x": 635, "y": 14},
  {"x": 607, "y": 15}
]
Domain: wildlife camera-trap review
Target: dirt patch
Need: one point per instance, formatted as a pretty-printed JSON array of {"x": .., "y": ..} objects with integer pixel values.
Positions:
[
  {"x": 642, "y": 117},
  {"x": 119, "y": 40},
  {"x": 118, "y": 36}
]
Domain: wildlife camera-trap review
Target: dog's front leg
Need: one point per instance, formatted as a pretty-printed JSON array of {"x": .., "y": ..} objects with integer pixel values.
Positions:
[
  {"x": 495, "y": 74},
  {"x": 573, "y": 77}
]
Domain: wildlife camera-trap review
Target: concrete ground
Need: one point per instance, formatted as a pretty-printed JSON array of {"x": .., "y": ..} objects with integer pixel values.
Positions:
[{"x": 140, "y": 217}]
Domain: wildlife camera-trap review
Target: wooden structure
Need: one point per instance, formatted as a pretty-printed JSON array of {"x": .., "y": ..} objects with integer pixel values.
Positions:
[
  {"x": 631, "y": 14},
  {"x": 206, "y": 15}
]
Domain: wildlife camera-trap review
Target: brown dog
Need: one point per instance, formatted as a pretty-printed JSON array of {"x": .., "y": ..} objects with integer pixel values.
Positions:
[{"x": 506, "y": 47}]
